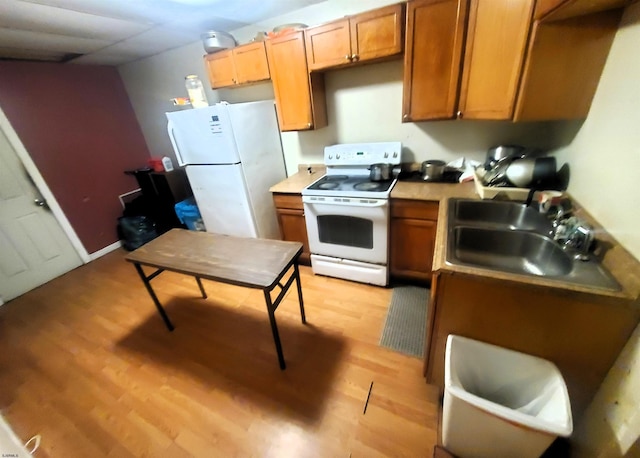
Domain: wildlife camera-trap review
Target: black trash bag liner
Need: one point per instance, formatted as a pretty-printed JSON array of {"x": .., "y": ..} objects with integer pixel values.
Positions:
[{"x": 135, "y": 231}]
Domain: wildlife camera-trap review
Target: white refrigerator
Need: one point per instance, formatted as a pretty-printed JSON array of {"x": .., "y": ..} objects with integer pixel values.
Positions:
[{"x": 232, "y": 154}]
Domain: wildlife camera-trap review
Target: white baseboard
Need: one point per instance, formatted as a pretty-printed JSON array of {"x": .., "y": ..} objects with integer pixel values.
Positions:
[
  {"x": 108, "y": 249},
  {"x": 10, "y": 445}
]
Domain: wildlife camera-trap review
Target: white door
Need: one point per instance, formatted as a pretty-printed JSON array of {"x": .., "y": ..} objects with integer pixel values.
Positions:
[
  {"x": 33, "y": 246},
  {"x": 221, "y": 194}
]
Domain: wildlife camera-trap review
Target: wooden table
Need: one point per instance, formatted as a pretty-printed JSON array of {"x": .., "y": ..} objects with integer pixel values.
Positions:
[{"x": 253, "y": 263}]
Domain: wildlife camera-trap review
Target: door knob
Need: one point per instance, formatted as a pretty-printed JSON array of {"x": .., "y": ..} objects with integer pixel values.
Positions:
[
  {"x": 40, "y": 202},
  {"x": 355, "y": 57}
]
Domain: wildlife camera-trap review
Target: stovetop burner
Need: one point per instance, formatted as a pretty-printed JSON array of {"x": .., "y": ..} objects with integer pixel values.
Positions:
[
  {"x": 329, "y": 185},
  {"x": 351, "y": 185},
  {"x": 371, "y": 186}
]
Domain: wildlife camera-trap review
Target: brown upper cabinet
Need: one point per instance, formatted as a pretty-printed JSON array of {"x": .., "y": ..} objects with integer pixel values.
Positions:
[
  {"x": 505, "y": 59},
  {"x": 300, "y": 97},
  {"x": 240, "y": 65},
  {"x": 364, "y": 37}
]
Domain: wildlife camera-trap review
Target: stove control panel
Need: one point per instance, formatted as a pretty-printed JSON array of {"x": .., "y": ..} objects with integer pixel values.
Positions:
[{"x": 363, "y": 154}]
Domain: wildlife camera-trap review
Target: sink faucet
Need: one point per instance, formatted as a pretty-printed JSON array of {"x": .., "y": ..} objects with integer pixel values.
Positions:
[
  {"x": 575, "y": 235},
  {"x": 581, "y": 238}
]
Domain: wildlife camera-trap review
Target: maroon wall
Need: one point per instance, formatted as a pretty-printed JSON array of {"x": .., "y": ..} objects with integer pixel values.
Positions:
[{"x": 78, "y": 125}]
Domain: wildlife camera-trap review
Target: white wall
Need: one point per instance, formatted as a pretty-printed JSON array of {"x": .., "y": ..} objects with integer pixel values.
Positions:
[
  {"x": 605, "y": 154},
  {"x": 363, "y": 103},
  {"x": 605, "y": 160}
]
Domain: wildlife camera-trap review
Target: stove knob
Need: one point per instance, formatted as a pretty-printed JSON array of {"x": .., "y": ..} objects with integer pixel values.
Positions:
[
  {"x": 330, "y": 156},
  {"x": 337, "y": 156},
  {"x": 386, "y": 155},
  {"x": 395, "y": 154}
]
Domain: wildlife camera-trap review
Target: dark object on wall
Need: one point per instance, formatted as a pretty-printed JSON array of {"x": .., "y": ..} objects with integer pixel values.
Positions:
[
  {"x": 160, "y": 192},
  {"x": 135, "y": 231}
]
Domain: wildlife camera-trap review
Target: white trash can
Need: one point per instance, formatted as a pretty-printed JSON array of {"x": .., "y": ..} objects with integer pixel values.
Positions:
[{"x": 501, "y": 403}]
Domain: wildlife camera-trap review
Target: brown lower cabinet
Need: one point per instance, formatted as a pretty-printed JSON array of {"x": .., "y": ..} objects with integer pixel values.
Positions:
[
  {"x": 581, "y": 333},
  {"x": 412, "y": 238},
  {"x": 290, "y": 213}
]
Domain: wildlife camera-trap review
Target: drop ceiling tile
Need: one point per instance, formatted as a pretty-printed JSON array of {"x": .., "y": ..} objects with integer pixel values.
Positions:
[
  {"x": 125, "y": 30},
  {"x": 47, "y": 19},
  {"x": 34, "y": 40},
  {"x": 196, "y": 24},
  {"x": 31, "y": 54},
  {"x": 156, "y": 11},
  {"x": 153, "y": 42},
  {"x": 105, "y": 58}
]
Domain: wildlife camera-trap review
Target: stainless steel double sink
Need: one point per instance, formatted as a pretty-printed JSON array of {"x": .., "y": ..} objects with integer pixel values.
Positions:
[{"x": 511, "y": 237}]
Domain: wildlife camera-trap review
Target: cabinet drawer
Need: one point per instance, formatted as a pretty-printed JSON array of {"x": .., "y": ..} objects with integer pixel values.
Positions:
[
  {"x": 414, "y": 209},
  {"x": 293, "y": 201}
]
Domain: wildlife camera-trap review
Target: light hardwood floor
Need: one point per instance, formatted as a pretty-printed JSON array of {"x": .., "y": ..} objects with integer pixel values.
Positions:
[{"x": 87, "y": 363}]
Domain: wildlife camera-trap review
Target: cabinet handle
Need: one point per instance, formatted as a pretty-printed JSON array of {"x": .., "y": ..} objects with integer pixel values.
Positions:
[
  {"x": 459, "y": 114},
  {"x": 355, "y": 57},
  {"x": 347, "y": 57},
  {"x": 405, "y": 116},
  {"x": 309, "y": 125}
]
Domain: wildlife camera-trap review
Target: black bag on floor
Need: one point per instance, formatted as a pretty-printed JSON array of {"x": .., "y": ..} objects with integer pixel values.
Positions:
[{"x": 135, "y": 231}]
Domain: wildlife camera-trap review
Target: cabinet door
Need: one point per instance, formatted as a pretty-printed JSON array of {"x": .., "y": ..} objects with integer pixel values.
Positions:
[
  {"x": 251, "y": 63},
  {"x": 412, "y": 243},
  {"x": 328, "y": 45},
  {"x": 564, "y": 65},
  {"x": 377, "y": 33},
  {"x": 432, "y": 61},
  {"x": 220, "y": 68},
  {"x": 494, "y": 54},
  {"x": 292, "y": 224},
  {"x": 294, "y": 229},
  {"x": 299, "y": 99},
  {"x": 413, "y": 230}
]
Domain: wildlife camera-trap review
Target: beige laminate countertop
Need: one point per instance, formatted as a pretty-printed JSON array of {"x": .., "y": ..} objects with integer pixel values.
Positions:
[
  {"x": 298, "y": 181},
  {"x": 624, "y": 268},
  {"x": 437, "y": 192}
]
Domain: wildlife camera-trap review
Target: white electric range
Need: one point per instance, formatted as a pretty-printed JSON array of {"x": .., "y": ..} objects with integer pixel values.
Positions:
[{"x": 347, "y": 214}]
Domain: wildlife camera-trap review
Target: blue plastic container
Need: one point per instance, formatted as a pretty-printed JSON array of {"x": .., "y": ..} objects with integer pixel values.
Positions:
[{"x": 189, "y": 215}]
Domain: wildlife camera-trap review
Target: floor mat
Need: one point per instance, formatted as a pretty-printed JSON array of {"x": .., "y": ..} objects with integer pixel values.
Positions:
[{"x": 404, "y": 328}]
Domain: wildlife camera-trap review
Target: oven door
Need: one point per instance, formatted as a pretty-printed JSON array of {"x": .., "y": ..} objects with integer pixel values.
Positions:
[{"x": 348, "y": 228}]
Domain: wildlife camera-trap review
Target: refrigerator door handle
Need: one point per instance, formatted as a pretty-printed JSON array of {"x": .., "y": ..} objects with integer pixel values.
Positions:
[{"x": 174, "y": 142}]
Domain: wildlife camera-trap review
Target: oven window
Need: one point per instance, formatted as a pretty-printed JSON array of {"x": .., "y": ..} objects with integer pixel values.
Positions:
[{"x": 345, "y": 231}]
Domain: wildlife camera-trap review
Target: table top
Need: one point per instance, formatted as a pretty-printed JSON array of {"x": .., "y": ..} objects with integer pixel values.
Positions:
[{"x": 253, "y": 263}]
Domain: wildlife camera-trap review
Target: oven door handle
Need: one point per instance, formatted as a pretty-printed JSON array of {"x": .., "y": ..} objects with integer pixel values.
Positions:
[{"x": 351, "y": 202}]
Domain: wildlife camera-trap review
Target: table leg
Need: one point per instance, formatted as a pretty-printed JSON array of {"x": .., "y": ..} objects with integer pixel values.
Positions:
[
  {"x": 297, "y": 274},
  {"x": 274, "y": 329},
  {"x": 204, "y": 294},
  {"x": 147, "y": 284}
]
